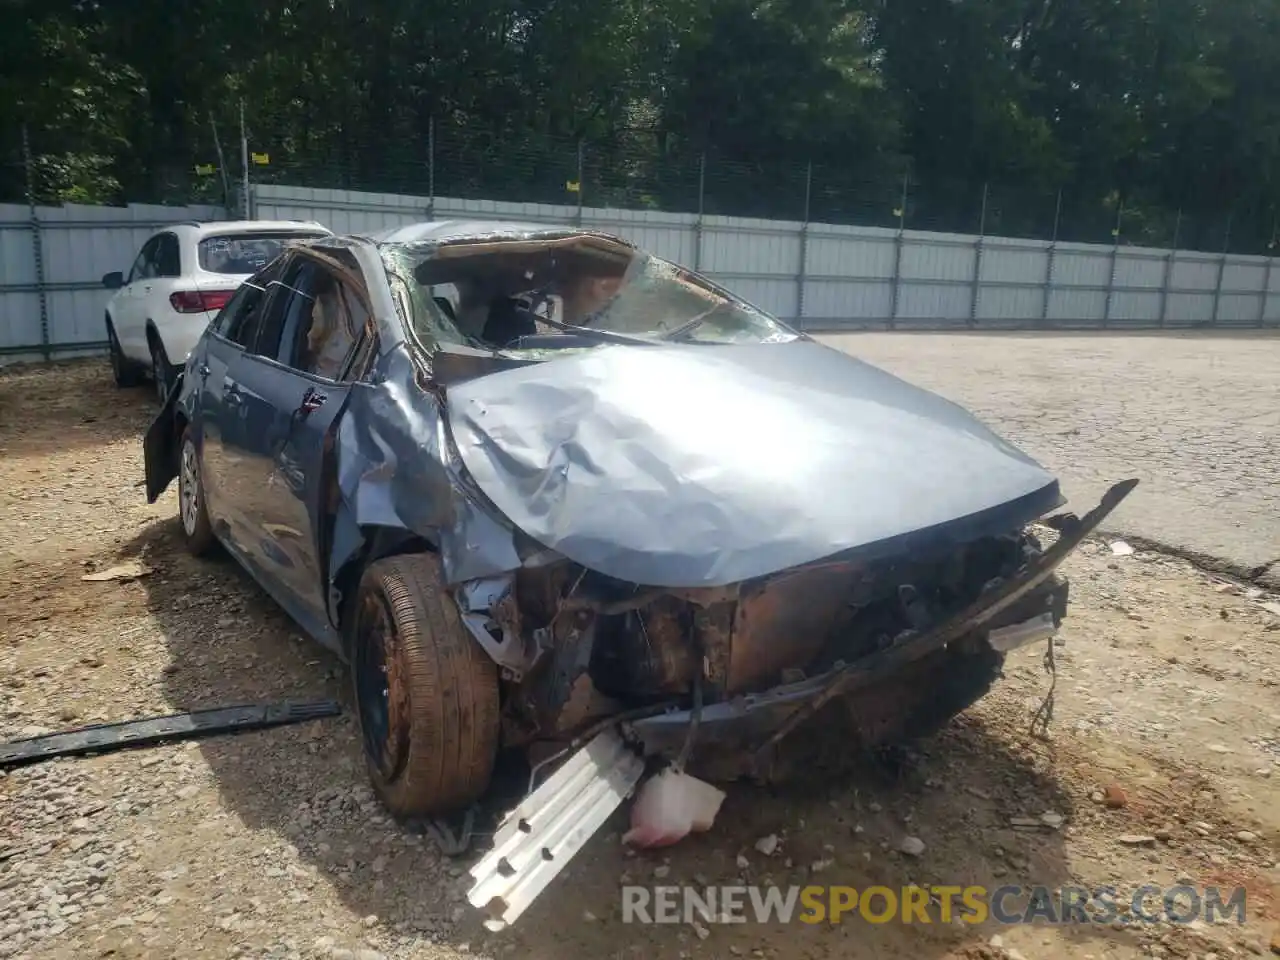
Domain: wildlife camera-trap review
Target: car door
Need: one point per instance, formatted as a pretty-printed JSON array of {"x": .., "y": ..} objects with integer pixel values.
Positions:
[
  {"x": 129, "y": 308},
  {"x": 318, "y": 324},
  {"x": 234, "y": 330}
]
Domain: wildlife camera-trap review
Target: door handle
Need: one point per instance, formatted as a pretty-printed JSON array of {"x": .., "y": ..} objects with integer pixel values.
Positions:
[
  {"x": 311, "y": 400},
  {"x": 203, "y": 371}
]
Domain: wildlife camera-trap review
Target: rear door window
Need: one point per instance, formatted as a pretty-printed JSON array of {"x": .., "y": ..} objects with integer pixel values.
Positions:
[
  {"x": 244, "y": 253},
  {"x": 168, "y": 262},
  {"x": 240, "y": 320}
]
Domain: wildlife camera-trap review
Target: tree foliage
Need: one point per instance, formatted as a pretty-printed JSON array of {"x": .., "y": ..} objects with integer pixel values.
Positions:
[{"x": 1133, "y": 109}]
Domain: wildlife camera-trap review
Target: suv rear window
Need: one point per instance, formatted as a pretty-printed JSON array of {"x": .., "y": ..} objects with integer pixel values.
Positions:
[{"x": 244, "y": 253}]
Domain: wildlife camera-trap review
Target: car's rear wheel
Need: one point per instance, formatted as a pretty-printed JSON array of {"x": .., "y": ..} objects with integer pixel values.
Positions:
[
  {"x": 197, "y": 530},
  {"x": 427, "y": 694},
  {"x": 123, "y": 371},
  {"x": 161, "y": 369}
]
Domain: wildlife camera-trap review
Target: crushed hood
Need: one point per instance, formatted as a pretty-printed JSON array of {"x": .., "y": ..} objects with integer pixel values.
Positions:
[{"x": 687, "y": 465}]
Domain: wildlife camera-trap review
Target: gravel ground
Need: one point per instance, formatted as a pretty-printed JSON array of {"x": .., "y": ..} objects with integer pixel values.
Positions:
[
  {"x": 1195, "y": 416},
  {"x": 271, "y": 845}
]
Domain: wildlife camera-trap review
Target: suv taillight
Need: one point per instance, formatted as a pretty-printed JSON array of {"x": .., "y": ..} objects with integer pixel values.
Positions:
[{"x": 197, "y": 301}]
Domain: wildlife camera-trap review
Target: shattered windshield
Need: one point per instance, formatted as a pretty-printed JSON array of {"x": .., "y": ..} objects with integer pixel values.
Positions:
[{"x": 565, "y": 292}]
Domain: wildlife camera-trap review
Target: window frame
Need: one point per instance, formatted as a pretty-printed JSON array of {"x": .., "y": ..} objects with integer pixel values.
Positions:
[
  {"x": 356, "y": 360},
  {"x": 143, "y": 260},
  {"x": 168, "y": 239}
]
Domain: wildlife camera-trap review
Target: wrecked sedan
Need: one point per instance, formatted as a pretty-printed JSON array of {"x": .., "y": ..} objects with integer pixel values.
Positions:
[{"x": 534, "y": 483}]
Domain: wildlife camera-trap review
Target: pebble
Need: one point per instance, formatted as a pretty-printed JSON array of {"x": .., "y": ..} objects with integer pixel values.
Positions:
[
  {"x": 1114, "y": 797},
  {"x": 1247, "y": 836},
  {"x": 911, "y": 846}
]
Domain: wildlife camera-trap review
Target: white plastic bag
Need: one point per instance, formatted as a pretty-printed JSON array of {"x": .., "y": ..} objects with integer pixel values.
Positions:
[{"x": 670, "y": 806}]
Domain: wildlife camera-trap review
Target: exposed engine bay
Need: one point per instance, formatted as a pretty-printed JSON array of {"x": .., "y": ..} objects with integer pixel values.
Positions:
[{"x": 576, "y": 646}]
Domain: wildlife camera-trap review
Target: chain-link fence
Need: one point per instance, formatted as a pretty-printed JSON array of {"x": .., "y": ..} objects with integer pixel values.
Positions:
[{"x": 632, "y": 169}]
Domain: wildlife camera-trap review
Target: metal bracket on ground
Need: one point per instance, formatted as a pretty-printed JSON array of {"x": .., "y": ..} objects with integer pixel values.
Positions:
[{"x": 107, "y": 737}]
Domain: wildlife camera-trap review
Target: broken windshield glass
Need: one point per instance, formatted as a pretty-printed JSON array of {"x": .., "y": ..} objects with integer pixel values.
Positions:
[{"x": 529, "y": 294}]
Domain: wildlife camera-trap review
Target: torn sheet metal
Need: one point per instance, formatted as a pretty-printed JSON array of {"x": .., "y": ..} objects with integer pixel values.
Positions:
[
  {"x": 395, "y": 470},
  {"x": 709, "y": 465},
  {"x": 539, "y": 838}
]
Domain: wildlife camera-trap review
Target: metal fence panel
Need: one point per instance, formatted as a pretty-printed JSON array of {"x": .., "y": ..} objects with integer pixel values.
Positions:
[
  {"x": 821, "y": 276},
  {"x": 55, "y": 305}
]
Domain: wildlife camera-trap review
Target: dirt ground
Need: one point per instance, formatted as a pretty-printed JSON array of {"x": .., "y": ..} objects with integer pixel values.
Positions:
[{"x": 271, "y": 845}]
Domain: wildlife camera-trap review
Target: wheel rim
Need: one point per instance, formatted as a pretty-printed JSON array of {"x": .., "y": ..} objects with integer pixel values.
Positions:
[
  {"x": 379, "y": 694},
  {"x": 189, "y": 488}
]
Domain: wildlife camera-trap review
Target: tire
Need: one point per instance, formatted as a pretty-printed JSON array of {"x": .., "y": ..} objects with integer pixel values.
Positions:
[
  {"x": 426, "y": 693},
  {"x": 122, "y": 369},
  {"x": 193, "y": 513},
  {"x": 161, "y": 368}
]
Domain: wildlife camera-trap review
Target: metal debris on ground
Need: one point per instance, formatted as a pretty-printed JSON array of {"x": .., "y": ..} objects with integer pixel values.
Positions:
[{"x": 107, "y": 737}]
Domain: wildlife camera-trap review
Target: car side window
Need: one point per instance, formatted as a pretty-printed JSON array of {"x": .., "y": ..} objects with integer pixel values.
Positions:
[
  {"x": 322, "y": 323},
  {"x": 168, "y": 261},
  {"x": 144, "y": 266}
]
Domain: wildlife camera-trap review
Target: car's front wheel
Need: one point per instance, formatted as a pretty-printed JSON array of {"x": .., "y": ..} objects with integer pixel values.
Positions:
[
  {"x": 427, "y": 695},
  {"x": 197, "y": 530}
]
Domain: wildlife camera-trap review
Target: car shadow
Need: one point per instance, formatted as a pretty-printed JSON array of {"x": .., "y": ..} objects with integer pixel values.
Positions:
[{"x": 229, "y": 643}]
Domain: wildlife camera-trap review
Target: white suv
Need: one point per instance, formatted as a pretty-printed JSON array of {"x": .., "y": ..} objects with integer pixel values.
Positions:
[{"x": 182, "y": 277}]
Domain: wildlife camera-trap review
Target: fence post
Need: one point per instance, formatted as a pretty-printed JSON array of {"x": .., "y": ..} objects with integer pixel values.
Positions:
[
  {"x": 897, "y": 252},
  {"x": 431, "y": 167},
  {"x": 1115, "y": 257},
  {"x": 1266, "y": 280},
  {"x": 245, "y": 199},
  {"x": 580, "y": 183},
  {"x": 697, "y": 223},
  {"x": 977, "y": 260},
  {"x": 1168, "y": 269},
  {"x": 803, "y": 270},
  {"x": 1222, "y": 269},
  {"x": 1048, "y": 267},
  {"x": 37, "y": 244}
]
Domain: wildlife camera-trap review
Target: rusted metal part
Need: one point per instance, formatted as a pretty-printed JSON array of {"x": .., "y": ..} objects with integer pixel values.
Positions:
[
  {"x": 785, "y": 621},
  {"x": 989, "y": 605},
  {"x": 583, "y": 704},
  {"x": 714, "y": 628},
  {"x": 898, "y": 698},
  {"x": 653, "y": 651}
]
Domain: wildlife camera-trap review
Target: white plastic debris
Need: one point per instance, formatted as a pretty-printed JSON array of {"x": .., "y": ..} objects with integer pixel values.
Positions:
[
  {"x": 1121, "y": 549},
  {"x": 669, "y": 807},
  {"x": 768, "y": 845}
]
